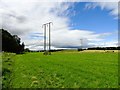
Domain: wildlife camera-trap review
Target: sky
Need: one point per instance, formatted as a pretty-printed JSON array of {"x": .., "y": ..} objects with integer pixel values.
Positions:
[{"x": 94, "y": 22}]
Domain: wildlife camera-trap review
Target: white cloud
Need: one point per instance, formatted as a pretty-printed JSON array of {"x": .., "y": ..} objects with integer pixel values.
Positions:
[
  {"x": 112, "y": 7},
  {"x": 111, "y": 43},
  {"x": 26, "y": 17}
]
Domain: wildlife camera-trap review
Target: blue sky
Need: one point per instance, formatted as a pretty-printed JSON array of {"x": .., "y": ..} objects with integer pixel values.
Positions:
[
  {"x": 94, "y": 22},
  {"x": 96, "y": 19}
]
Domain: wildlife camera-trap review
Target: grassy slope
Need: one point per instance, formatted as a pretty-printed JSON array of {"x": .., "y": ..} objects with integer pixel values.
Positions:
[
  {"x": 7, "y": 69},
  {"x": 85, "y": 70}
]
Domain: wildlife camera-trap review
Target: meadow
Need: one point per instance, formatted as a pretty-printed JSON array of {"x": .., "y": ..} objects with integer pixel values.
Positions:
[{"x": 61, "y": 70}]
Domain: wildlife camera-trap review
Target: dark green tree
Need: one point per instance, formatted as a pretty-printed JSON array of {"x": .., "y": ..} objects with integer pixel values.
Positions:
[{"x": 11, "y": 43}]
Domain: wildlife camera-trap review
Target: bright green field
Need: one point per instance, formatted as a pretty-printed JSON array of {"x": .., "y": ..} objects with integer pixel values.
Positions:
[{"x": 62, "y": 70}]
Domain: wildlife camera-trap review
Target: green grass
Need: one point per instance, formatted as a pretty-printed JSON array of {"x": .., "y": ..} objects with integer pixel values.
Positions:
[
  {"x": 65, "y": 70},
  {"x": 0, "y": 70},
  {"x": 7, "y": 69}
]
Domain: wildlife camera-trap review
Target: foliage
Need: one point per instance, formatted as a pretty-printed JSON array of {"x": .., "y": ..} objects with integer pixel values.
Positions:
[
  {"x": 27, "y": 50},
  {"x": 11, "y": 43},
  {"x": 104, "y": 48}
]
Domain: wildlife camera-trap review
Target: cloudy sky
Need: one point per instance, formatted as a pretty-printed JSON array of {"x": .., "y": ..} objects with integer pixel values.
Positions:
[{"x": 95, "y": 22}]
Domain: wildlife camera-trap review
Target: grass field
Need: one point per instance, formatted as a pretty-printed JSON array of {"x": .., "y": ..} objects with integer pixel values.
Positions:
[{"x": 61, "y": 70}]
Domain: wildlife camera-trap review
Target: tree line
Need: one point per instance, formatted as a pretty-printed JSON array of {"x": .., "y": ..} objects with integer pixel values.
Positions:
[
  {"x": 104, "y": 48},
  {"x": 11, "y": 43}
]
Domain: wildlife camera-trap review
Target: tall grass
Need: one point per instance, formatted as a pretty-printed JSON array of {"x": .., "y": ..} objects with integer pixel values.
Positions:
[{"x": 7, "y": 69}]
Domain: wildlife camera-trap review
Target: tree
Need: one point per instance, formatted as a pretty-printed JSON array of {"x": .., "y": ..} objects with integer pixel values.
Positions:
[
  {"x": 22, "y": 47},
  {"x": 11, "y": 43},
  {"x": 27, "y": 50}
]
